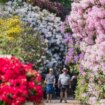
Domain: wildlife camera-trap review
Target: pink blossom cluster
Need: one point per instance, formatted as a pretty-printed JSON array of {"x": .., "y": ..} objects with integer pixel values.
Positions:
[
  {"x": 73, "y": 54},
  {"x": 87, "y": 21}
]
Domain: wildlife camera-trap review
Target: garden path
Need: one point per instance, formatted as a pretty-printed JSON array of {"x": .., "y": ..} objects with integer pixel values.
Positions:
[
  {"x": 70, "y": 102},
  {"x": 56, "y": 102}
]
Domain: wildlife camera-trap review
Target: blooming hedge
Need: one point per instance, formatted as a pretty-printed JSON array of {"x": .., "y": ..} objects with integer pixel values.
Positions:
[
  {"x": 74, "y": 54},
  {"x": 87, "y": 21},
  {"x": 47, "y": 24},
  {"x": 21, "y": 41},
  {"x": 10, "y": 29},
  {"x": 19, "y": 83}
]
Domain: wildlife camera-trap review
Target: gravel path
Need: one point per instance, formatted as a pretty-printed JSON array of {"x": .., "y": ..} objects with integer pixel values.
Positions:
[
  {"x": 56, "y": 102},
  {"x": 70, "y": 102}
]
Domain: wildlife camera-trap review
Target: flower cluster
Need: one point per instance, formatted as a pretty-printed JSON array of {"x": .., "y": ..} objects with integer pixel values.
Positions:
[
  {"x": 46, "y": 23},
  {"x": 10, "y": 28},
  {"x": 74, "y": 55},
  {"x": 16, "y": 39},
  {"x": 88, "y": 25},
  {"x": 87, "y": 21},
  {"x": 19, "y": 83}
]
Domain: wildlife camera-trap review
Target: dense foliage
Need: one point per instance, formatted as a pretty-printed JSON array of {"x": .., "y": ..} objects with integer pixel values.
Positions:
[
  {"x": 21, "y": 41},
  {"x": 60, "y": 7},
  {"x": 48, "y": 26},
  {"x": 66, "y": 3},
  {"x": 87, "y": 23},
  {"x": 82, "y": 88},
  {"x": 19, "y": 83},
  {"x": 10, "y": 29},
  {"x": 74, "y": 54},
  {"x": 3, "y": 1},
  {"x": 35, "y": 35}
]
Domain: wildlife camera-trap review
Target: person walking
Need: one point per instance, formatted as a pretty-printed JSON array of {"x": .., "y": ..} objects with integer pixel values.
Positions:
[
  {"x": 50, "y": 84},
  {"x": 73, "y": 84},
  {"x": 64, "y": 84}
]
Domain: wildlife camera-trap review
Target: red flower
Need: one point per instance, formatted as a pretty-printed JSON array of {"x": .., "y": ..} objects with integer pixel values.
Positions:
[
  {"x": 19, "y": 83},
  {"x": 38, "y": 78}
]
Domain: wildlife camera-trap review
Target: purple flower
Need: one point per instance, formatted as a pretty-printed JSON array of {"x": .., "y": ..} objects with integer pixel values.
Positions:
[
  {"x": 81, "y": 56},
  {"x": 76, "y": 58},
  {"x": 71, "y": 51},
  {"x": 67, "y": 59},
  {"x": 81, "y": 69}
]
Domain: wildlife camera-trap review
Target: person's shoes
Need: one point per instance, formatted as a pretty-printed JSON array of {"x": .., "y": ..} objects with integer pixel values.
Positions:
[
  {"x": 46, "y": 101},
  {"x": 60, "y": 100},
  {"x": 65, "y": 101}
]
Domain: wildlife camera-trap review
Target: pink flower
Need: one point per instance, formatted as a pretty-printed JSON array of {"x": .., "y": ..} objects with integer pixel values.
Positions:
[{"x": 102, "y": 2}]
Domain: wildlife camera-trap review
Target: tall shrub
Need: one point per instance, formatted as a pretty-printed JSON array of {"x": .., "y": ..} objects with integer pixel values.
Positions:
[
  {"x": 48, "y": 26},
  {"x": 19, "y": 83},
  {"x": 87, "y": 20},
  {"x": 21, "y": 41}
]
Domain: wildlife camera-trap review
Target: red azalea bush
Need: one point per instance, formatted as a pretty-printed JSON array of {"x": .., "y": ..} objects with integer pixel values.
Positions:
[{"x": 19, "y": 83}]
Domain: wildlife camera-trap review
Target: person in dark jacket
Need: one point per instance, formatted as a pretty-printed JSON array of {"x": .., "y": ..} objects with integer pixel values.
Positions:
[{"x": 73, "y": 84}]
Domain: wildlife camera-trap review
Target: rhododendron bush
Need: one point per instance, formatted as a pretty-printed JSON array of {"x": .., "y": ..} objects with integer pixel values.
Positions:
[
  {"x": 16, "y": 39},
  {"x": 87, "y": 21},
  {"x": 19, "y": 83},
  {"x": 48, "y": 26},
  {"x": 74, "y": 54}
]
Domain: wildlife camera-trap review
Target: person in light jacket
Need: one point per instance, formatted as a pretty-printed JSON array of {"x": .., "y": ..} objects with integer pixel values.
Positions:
[
  {"x": 50, "y": 84},
  {"x": 64, "y": 84}
]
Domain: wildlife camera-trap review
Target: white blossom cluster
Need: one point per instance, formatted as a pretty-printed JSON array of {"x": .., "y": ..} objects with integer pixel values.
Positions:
[{"x": 46, "y": 23}]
